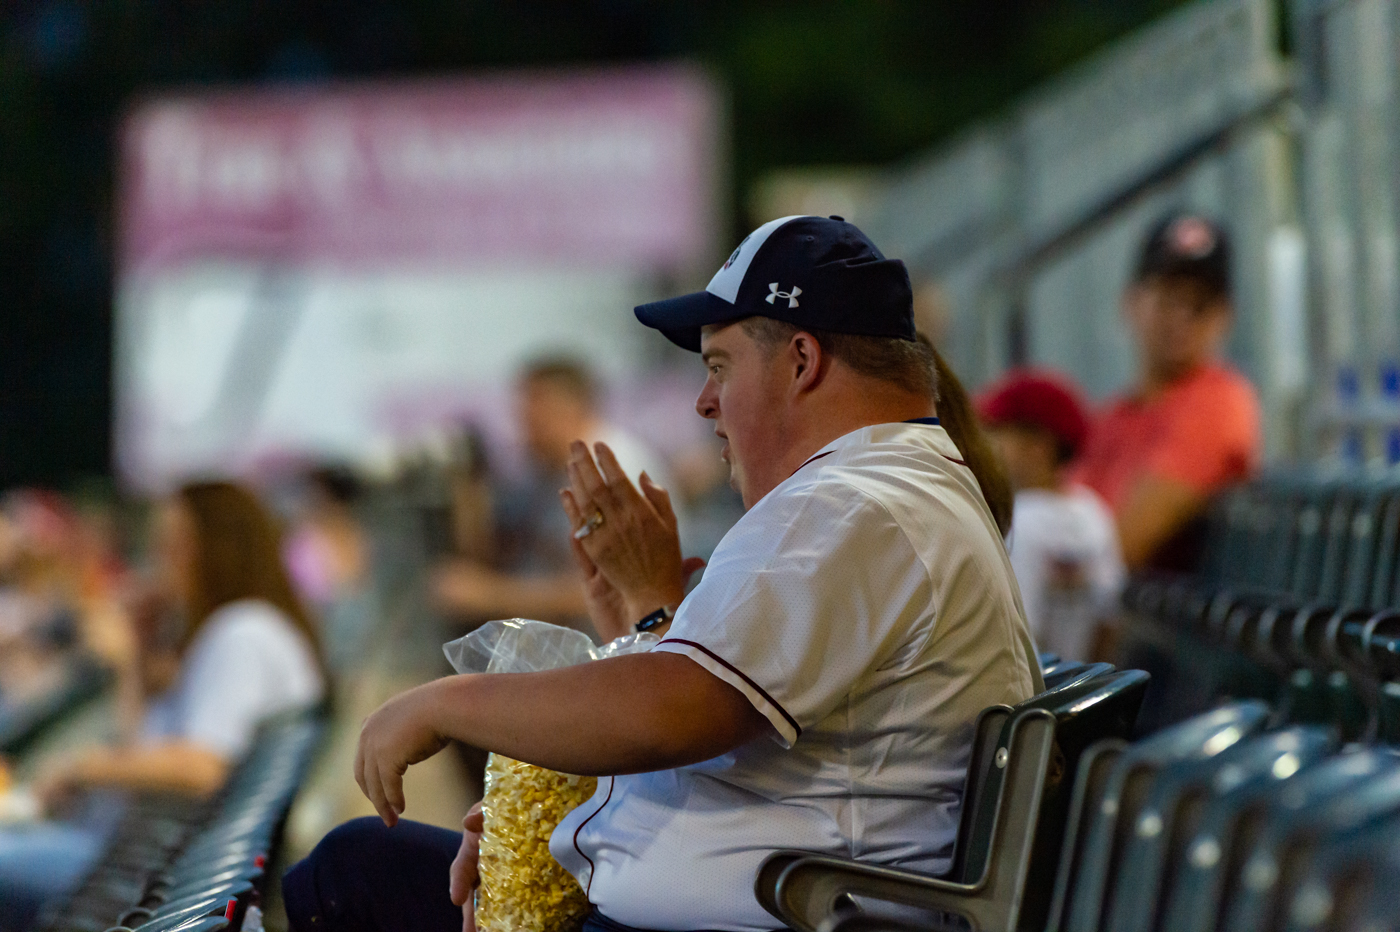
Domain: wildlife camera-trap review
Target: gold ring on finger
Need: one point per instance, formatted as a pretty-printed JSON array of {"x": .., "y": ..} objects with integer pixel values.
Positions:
[{"x": 592, "y": 524}]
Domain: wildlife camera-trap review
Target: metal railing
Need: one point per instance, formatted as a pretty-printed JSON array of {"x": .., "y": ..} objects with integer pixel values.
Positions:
[{"x": 1028, "y": 224}]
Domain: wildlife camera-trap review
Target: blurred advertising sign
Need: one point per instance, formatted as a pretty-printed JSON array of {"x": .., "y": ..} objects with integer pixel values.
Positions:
[{"x": 314, "y": 272}]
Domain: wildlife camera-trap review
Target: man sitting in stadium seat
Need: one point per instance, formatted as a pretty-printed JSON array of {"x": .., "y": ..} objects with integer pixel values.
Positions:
[
  {"x": 817, "y": 690},
  {"x": 1191, "y": 425}
]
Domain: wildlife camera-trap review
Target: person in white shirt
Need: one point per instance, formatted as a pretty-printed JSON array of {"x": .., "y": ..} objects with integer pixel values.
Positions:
[
  {"x": 817, "y": 689},
  {"x": 1064, "y": 546},
  {"x": 247, "y": 651}
]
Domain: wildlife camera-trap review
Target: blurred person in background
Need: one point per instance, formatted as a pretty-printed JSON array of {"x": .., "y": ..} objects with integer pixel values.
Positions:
[
  {"x": 532, "y": 573},
  {"x": 1063, "y": 544},
  {"x": 711, "y": 507},
  {"x": 1191, "y": 424},
  {"x": 328, "y": 556},
  {"x": 60, "y": 580},
  {"x": 238, "y": 648}
]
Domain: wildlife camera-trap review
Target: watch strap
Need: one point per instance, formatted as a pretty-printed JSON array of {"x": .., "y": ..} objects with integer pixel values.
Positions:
[{"x": 655, "y": 620}]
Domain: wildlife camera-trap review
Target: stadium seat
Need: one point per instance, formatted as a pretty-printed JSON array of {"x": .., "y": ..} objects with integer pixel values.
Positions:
[
  {"x": 1359, "y": 565},
  {"x": 1175, "y": 805},
  {"x": 1066, "y": 673},
  {"x": 1080, "y": 908},
  {"x": 1309, "y": 551},
  {"x": 1336, "y": 547},
  {"x": 1339, "y": 883},
  {"x": 1384, "y": 579},
  {"x": 1211, "y": 865},
  {"x": 1290, "y": 832},
  {"x": 1012, "y": 827}
]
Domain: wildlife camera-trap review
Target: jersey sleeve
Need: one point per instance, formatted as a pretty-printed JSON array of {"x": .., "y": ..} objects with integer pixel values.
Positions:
[
  {"x": 810, "y": 590},
  {"x": 1211, "y": 439}
]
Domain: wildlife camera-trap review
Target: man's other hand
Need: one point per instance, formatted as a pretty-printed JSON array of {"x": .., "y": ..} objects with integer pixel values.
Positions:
[
  {"x": 464, "y": 878},
  {"x": 398, "y": 734},
  {"x": 636, "y": 546}
]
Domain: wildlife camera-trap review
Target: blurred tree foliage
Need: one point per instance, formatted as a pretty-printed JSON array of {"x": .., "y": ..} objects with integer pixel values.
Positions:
[{"x": 827, "y": 81}]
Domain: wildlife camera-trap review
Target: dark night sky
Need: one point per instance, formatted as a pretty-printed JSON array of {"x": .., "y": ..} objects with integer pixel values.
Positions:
[{"x": 810, "y": 83}]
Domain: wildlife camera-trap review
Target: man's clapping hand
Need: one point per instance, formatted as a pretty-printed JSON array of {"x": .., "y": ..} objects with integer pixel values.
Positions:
[{"x": 635, "y": 547}]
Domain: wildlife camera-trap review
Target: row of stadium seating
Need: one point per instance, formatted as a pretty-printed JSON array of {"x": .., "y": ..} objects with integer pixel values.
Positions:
[
  {"x": 1297, "y": 605},
  {"x": 178, "y": 865}
]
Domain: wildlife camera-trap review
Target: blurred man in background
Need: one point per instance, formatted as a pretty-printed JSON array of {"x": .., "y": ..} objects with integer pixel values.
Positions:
[
  {"x": 1191, "y": 425},
  {"x": 328, "y": 557},
  {"x": 533, "y": 574},
  {"x": 1064, "y": 547}
]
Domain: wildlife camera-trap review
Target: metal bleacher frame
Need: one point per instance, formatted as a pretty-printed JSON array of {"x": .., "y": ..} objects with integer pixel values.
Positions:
[{"x": 1027, "y": 223}]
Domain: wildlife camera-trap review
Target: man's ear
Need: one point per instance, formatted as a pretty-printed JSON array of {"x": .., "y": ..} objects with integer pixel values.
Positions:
[{"x": 807, "y": 359}]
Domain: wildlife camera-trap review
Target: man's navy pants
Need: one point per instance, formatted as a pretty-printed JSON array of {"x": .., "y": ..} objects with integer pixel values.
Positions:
[{"x": 366, "y": 877}]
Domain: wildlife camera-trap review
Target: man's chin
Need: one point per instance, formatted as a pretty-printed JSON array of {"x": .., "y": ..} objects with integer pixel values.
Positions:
[{"x": 736, "y": 480}]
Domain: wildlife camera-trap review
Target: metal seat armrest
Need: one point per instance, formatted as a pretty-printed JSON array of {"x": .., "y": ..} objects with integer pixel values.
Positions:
[
  {"x": 765, "y": 884},
  {"x": 809, "y": 887}
]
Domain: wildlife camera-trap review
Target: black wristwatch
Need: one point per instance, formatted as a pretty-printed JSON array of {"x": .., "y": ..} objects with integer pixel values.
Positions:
[{"x": 655, "y": 620}]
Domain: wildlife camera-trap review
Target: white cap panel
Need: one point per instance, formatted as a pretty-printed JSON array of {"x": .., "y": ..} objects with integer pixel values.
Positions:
[{"x": 726, "y": 282}]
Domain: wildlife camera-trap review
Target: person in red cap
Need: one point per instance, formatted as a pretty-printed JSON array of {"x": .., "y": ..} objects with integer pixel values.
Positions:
[
  {"x": 1191, "y": 424},
  {"x": 1064, "y": 547}
]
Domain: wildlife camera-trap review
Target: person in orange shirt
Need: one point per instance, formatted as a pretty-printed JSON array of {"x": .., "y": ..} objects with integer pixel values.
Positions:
[{"x": 1191, "y": 425}]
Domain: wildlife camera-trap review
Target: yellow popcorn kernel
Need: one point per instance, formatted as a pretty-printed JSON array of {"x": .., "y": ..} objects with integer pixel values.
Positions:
[{"x": 523, "y": 889}]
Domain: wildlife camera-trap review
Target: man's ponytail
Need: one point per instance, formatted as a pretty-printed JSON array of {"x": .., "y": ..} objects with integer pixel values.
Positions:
[{"x": 960, "y": 421}]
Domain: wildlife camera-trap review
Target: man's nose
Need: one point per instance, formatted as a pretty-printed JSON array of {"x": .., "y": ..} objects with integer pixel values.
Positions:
[{"x": 706, "y": 405}]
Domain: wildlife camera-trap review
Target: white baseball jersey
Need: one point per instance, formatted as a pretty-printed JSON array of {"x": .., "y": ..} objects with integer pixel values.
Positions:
[{"x": 867, "y": 609}]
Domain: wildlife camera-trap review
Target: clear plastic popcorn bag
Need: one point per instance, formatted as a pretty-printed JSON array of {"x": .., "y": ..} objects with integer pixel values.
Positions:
[{"x": 523, "y": 889}]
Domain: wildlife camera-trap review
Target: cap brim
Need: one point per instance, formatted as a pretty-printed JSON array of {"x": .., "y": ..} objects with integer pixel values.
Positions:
[{"x": 680, "y": 319}]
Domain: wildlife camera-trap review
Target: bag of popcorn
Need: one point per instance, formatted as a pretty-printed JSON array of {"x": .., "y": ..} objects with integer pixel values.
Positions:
[{"x": 523, "y": 889}]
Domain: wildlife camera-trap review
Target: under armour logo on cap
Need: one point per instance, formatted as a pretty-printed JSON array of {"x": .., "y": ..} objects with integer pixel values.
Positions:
[{"x": 790, "y": 295}]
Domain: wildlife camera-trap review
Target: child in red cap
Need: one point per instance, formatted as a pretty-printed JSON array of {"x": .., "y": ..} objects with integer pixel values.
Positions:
[{"x": 1063, "y": 545}]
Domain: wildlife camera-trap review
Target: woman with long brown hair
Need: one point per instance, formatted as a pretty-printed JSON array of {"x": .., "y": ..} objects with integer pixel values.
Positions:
[
  {"x": 247, "y": 649},
  {"x": 243, "y": 651}
]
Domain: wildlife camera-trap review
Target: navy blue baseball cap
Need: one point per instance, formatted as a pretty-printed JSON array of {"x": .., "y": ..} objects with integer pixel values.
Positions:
[
  {"x": 818, "y": 273},
  {"x": 1183, "y": 245}
]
